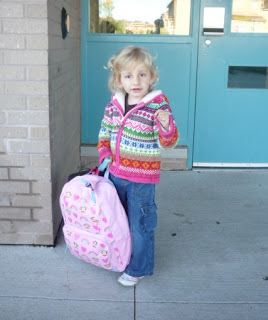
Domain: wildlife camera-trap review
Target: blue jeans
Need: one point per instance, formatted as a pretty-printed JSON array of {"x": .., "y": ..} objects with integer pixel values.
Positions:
[{"x": 139, "y": 203}]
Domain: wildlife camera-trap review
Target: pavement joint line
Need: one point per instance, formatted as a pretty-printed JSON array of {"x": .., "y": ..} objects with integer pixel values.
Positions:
[
  {"x": 203, "y": 302},
  {"x": 136, "y": 302},
  {"x": 62, "y": 299}
]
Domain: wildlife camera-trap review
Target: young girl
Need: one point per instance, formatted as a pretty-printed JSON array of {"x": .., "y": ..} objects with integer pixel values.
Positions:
[{"x": 136, "y": 124}]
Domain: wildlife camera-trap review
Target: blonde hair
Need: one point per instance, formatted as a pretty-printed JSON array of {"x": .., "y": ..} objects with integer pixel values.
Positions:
[{"x": 127, "y": 59}]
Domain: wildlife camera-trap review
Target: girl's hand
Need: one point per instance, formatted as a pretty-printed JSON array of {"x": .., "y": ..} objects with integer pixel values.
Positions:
[{"x": 163, "y": 117}]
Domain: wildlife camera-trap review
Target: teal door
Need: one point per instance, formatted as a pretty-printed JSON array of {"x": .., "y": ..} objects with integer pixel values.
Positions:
[
  {"x": 232, "y": 82},
  {"x": 167, "y": 28}
]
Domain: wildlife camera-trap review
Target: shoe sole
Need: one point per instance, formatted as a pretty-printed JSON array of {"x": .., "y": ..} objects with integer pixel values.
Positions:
[{"x": 130, "y": 284}]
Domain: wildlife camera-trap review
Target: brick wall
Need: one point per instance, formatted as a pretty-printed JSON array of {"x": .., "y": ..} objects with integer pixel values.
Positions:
[{"x": 37, "y": 110}]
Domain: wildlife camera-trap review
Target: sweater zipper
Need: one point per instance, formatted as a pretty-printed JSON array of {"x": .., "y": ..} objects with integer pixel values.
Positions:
[
  {"x": 119, "y": 134},
  {"x": 118, "y": 138}
]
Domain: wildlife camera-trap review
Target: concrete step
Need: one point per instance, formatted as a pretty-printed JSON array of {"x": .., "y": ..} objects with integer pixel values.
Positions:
[{"x": 172, "y": 159}]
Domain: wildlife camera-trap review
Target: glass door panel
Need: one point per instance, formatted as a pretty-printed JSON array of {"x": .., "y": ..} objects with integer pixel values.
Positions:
[
  {"x": 250, "y": 16},
  {"x": 163, "y": 17}
]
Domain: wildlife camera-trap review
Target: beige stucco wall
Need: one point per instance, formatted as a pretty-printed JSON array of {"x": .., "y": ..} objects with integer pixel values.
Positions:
[{"x": 39, "y": 116}]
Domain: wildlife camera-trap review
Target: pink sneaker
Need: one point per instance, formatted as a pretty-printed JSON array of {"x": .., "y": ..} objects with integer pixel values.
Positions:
[{"x": 128, "y": 281}]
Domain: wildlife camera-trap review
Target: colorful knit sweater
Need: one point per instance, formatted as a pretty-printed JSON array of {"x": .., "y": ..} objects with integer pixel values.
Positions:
[{"x": 134, "y": 140}]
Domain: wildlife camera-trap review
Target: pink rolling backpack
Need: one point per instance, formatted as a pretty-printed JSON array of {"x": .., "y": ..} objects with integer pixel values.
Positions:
[{"x": 96, "y": 227}]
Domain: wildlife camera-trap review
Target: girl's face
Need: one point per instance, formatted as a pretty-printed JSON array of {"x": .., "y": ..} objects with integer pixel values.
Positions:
[{"x": 136, "y": 82}]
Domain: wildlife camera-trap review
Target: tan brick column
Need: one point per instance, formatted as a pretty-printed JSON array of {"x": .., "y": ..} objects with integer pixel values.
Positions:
[{"x": 30, "y": 170}]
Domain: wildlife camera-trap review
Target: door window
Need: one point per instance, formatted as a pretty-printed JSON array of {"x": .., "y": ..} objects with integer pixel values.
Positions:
[
  {"x": 164, "y": 17},
  {"x": 250, "y": 16},
  {"x": 248, "y": 77}
]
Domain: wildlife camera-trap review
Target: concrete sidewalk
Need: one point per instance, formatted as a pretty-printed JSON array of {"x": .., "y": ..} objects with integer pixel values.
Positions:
[{"x": 211, "y": 260}]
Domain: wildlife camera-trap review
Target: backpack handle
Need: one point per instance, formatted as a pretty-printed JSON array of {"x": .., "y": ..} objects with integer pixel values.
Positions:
[{"x": 104, "y": 164}]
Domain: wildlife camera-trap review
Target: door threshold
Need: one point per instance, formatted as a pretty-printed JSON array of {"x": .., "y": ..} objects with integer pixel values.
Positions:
[{"x": 229, "y": 165}]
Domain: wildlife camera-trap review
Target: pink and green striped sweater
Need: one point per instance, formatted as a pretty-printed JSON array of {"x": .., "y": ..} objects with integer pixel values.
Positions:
[{"x": 134, "y": 140}]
